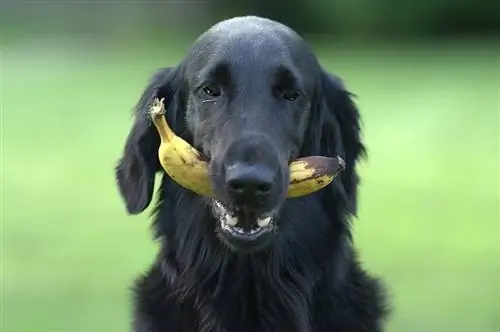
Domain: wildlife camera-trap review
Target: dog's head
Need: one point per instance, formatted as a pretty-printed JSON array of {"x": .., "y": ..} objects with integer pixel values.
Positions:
[{"x": 251, "y": 96}]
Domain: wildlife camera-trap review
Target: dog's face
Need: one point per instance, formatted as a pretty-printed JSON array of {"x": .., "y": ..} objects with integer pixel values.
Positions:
[
  {"x": 250, "y": 95},
  {"x": 248, "y": 106}
]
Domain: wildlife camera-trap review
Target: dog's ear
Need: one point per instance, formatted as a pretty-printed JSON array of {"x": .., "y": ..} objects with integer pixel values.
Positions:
[
  {"x": 136, "y": 169},
  {"x": 334, "y": 130}
]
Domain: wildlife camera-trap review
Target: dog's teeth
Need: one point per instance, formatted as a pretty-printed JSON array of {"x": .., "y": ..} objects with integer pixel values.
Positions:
[
  {"x": 231, "y": 221},
  {"x": 264, "y": 222}
]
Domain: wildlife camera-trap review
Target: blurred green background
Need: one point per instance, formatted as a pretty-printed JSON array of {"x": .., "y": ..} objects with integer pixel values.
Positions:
[{"x": 427, "y": 76}]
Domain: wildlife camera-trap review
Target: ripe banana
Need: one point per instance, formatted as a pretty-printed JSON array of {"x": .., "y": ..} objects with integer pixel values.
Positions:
[
  {"x": 311, "y": 174},
  {"x": 183, "y": 163},
  {"x": 188, "y": 167}
]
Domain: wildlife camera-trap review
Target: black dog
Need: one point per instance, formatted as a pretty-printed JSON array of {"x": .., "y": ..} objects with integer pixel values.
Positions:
[{"x": 251, "y": 96}]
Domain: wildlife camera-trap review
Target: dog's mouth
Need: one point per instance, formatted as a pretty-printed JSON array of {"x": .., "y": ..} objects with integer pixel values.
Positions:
[{"x": 243, "y": 225}]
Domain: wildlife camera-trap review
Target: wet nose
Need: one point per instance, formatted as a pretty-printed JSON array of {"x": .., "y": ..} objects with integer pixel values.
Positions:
[{"x": 249, "y": 183}]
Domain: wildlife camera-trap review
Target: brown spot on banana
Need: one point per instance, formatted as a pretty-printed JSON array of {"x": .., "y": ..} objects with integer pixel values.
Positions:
[{"x": 312, "y": 174}]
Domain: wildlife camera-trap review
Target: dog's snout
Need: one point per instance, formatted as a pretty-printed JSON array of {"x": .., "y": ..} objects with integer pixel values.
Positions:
[
  {"x": 251, "y": 174},
  {"x": 249, "y": 182}
]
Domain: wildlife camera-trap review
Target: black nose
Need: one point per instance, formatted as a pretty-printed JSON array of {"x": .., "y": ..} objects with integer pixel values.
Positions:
[{"x": 249, "y": 184}]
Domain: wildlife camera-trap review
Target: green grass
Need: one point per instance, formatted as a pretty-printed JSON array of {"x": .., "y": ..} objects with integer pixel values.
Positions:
[{"x": 428, "y": 221}]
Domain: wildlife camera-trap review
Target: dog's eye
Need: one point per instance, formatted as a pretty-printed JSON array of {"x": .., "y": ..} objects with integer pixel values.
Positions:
[
  {"x": 290, "y": 95},
  {"x": 212, "y": 90}
]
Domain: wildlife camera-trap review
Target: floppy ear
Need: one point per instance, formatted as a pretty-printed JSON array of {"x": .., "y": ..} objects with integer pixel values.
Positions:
[
  {"x": 136, "y": 169},
  {"x": 334, "y": 130}
]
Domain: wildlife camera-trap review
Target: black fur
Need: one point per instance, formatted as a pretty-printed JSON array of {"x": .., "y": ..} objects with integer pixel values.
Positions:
[{"x": 307, "y": 280}]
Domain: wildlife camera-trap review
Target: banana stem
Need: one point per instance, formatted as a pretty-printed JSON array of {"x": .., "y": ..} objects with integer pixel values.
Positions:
[{"x": 157, "y": 112}]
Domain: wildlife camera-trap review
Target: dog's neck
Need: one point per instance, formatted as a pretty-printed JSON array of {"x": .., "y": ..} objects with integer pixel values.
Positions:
[
  {"x": 278, "y": 282},
  {"x": 274, "y": 290}
]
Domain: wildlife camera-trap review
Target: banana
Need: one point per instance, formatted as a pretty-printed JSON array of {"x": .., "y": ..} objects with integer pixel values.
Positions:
[
  {"x": 311, "y": 174},
  {"x": 189, "y": 168},
  {"x": 183, "y": 163}
]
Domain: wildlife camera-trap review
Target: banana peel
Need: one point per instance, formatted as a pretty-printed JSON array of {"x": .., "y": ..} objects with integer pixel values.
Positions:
[{"x": 189, "y": 168}]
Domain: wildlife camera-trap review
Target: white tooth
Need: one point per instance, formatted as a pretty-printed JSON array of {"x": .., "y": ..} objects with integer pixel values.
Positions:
[
  {"x": 263, "y": 222},
  {"x": 231, "y": 221}
]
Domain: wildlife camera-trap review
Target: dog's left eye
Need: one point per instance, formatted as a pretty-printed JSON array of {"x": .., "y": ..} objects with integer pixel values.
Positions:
[{"x": 289, "y": 95}]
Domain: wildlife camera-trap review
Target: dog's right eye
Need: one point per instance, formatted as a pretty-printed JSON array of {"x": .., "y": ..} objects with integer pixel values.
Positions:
[{"x": 212, "y": 90}]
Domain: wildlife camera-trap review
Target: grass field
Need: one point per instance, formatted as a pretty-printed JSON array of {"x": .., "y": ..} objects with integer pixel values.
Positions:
[{"x": 428, "y": 222}]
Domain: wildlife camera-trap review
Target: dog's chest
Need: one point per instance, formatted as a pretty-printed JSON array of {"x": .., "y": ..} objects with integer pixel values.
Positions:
[{"x": 254, "y": 308}]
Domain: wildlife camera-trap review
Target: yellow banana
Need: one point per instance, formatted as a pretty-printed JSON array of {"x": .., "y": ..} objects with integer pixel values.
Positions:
[
  {"x": 188, "y": 167},
  {"x": 310, "y": 174},
  {"x": 183, "y": 163}
]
